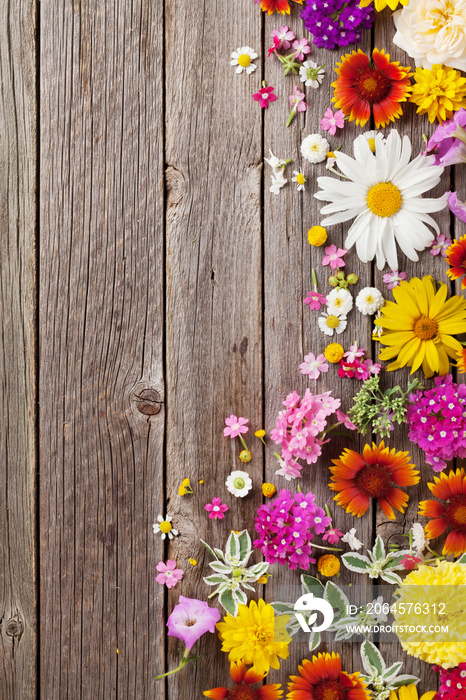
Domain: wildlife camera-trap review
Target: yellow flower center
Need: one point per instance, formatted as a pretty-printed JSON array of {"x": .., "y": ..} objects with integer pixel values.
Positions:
[
  {"x": 245, "y": 456},
  {"x": 384, "y": 199},
  {"x": 338, "y": 302},
  {"x": 425, "y": 328},
  {"x": 244, "y": 60},
  {"x": 371, "y": 143},
  {"x": 330, "y": 154},
  {"x": 300, "y": 179},
  {"x": 369, "y": 84},
  {"x": 165, "y": 526},
  {"x": 369, "y": 299},
  {"x": 332, "y": 321}
]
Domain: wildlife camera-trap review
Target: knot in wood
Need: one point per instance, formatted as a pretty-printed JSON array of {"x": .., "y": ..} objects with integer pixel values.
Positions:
[
  {"x": 14, "y": 627},
  {"x": 148, "y": 402}
]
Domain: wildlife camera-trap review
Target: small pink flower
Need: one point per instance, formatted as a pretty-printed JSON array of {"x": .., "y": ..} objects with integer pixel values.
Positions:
[
  {"x": 353, "y": 353},
  {"x": 313, "y": 366},
  {"x": 284, "y": 37},
  {"x": 235, "y": 426},
  {"x": 410, "y": 562},
  {"x": 301, "y": 48},
  {"x": 216, "y": 509},
  {"x": 169, "y": 574},
  {"x": 264, "y": 96},
  {"x": 333, "y": 536},
  {"x": 331, "y": 122},
  {"x": 392, "y": 279},
  {"x": 440, "y": 245},
  {"x": 343, "y": 418},
  {"x": 297, "y": 100},
  {"x": 274, "y": 47},
  {"x": 315, "y": 300},
  {"x": 334, "y": 257}
]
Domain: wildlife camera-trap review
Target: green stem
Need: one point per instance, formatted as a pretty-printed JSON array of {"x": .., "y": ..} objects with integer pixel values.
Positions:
[
  {"x": 243, "y": 442},
  {"x": 330, "y": 549},
  {"x": 185, "y": 659},
  {"x": 291, "y": 117},
  {"x": 314, "y": 280}
]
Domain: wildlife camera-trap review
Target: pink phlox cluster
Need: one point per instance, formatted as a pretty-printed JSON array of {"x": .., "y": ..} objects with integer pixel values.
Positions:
[{"x": 355, "y": 365}]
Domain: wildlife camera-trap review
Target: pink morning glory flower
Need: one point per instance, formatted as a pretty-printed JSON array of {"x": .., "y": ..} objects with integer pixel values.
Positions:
[
  {"x": 392, "y": 279},
  {"x": 301, "y": 48},
  {"x": 284, "y": 36},
  {"x": 457, "y": 207},
  {"x": 235, "y": 426},
  {"x": 216, "y": 509},
  {"x": 315, "y": 301},
  {"x": 169, "y": 575},
  {"x": 265, "y": 96},
  {"x": 334, "y": 257},
  {"x": 190, "y": 619},
  {"x": 313, "y": 366},
  {"x": 331, "y": 122},
  {"x": 440, "y": 245}
]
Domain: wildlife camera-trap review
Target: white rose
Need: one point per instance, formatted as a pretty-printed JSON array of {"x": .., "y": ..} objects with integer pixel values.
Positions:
[{"x": 433, "y": 31}]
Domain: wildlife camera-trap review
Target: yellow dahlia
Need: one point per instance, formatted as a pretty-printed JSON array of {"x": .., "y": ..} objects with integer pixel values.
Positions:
[
  {"x": 418, "y": 327},
  {"x": 409, "y": 692},
  {"x": 439, "y": 91},
  {"x": 382, "y": 4},
  {"x": 255, "y": 636},
  {"x": 426, "y": 600}
]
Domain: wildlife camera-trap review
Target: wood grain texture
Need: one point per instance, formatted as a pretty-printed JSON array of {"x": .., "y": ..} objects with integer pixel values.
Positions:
[
  {"x": 101, "y": 345},
  {"x": 18, "y": 183},
  {"x": 214, "y": 302}
]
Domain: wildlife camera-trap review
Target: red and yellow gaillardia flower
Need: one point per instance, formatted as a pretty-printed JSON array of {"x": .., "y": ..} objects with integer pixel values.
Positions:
[
  {"x": 242, "y": 689},
  {"x": 363, "y": 86},
  {"x": 456, "y": 258},
  {"x": 461, "y": 357},
  {"x": 322, "y": 678},
  {"x": 374, "y": 474},
  {"x": 450, "y": 515},
  {"x": 280, "y": 6}
]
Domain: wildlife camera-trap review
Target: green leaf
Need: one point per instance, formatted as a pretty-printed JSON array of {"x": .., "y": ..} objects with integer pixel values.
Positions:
[
  {"x": 232, "y": 547},
  {"x": 227, "y": 601},
  {"x": 371, "y": 657},
  {"x": 404, "y": 680},
  {"x": 379, "y": 549},
  {"x": 220, "y": 568},
  {"x": 394, "y": 559},
  {"x": 246, "y": 585},
  {"x": 219, "y": 554},
  {"x": 391, "y": 672},
  {"x": 461, "y": 560},
  {"x": 312, "y": 585},
  {"x": 355, "y": 562},
  {"x": 337, "y": 599},
  {"x": 215, "y": 579},
  {"x": 283, "y": 608},
  {"x": 240, "y": 597},
  {"x": 245, "y": 546},
  {"x": 314, "y": 640},
  {"x": 341, "y": 635},
  {"x": 390, "y": 577},
  {"x": 209, "y": 549}
]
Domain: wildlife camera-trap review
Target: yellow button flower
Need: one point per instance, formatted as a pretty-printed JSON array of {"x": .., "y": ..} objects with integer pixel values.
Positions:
[
  {"x": 193, "y": 562},
  {"x": 260, "y": 433},
  {"x": 185, "y": 488},
  {"x": 334, "y": 352},
  {"x": 245, "y": 456},
  {"x": 317, "y": 236},
  {"x": 328, "y": 565},
  {"x": 268, "y": 490}
]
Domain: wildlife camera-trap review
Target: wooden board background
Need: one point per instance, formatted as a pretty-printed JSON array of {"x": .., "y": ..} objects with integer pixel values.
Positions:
[{"x": 150, "y": 284}]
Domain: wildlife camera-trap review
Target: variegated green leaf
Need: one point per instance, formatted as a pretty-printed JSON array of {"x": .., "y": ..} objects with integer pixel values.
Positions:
[
  {"x": 461, "y": 560},
  {"x": 391, "y": 672},
  {"x": 215, "y": 579},
  {"x": 356, "y": 562},
  {"x": 245, "y": 546},
  {"x": 209, "y": 549},
  {"x": 312, "y": 585},
  {"x": 390, "y": 577},
  {"x": 379, "y": 549},
  {"x": 337, "y": 599},
  {"x": 232, "y": 547},
  {"x": 372, "y": 658},
  {"x": 314, "y": 640},
  {"x": 240, "y": 596},
  {"x": 220, "y": 568},
  {"x": 227, "y": 601},
  {"x": 257, "y": 570},
  {"x": 405, "y": 679}
]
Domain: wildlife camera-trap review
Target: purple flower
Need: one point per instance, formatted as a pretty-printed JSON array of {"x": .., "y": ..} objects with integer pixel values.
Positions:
[
  {"x": 440, "y": 245},
  {"x": 336, "y": 22},
  {"x": 191, "y": 619},
  {"x": 457, "y": 207},
  {"x": 392, "y": 279}
]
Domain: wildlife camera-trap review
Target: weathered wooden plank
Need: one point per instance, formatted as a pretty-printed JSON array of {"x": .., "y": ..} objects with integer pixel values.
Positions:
[
  {"x": 18, "y": 292},
  {"x": 291, "y": 329},
  {"x": 214, "y": 305},
  {"x": 101, "y": 346}
]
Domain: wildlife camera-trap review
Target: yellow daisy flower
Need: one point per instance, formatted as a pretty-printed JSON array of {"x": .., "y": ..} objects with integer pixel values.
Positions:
[
  {"x": 439, "y": 92},
  {"x": 409, "y": 692},
  {"x": 382, "y": 4},
  {"x": 255, "y": 636},
  {"x": 418, "y": 327}
]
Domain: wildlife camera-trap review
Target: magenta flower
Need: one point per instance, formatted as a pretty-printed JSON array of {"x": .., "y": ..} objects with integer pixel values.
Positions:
[
  {"x": 331, "y": 122},
  {"x": 264, "y": 96},
  {"x": 315, "y": 300},
  {"x": 169, "y": 575},
  {"x": 343, "y": 418},
  {"x": 191, "y": 619},
  {"x": 354, "y": 352},
  {"x": 284, "y": 37},
  {"x": 334, "y": 257},
  {"x": 274, "y": 47},
  {"x": 457, "y": 207},
  {"x": 333, "y": 536},
  {"x": 301, "y": 48},
  {"x": 313, "y": 366},
  {"x": 440, "y": 245},
  {"x": 235, "y": 426},
  {"x": 216, "y": 509},
  {"x": 410, "y": 562},
  {"x": 392, "y": 279}
]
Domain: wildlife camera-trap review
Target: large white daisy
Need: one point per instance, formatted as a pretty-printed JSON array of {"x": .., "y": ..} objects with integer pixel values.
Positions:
[{"x": 382, "y": 194}]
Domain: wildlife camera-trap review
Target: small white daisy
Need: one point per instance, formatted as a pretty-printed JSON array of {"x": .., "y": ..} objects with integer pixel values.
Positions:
[
  {"x": 315, "y": 148},
  {"x": 243, "y": 59},
  {"x": 278, "y": 181},
  {"x": 339, "y": 302},
  {"x": 351, "y": 539},
  {"x": 372, "y": 137},
  {"x": 311, "y": 74},
  {"x": 164, "y": 525},
  {"x": 299, "y": 178},
  {"x": 369, "y": 300},
  {"x": 378, "y": 330},
  {"x": 239, "y": 483},
  {"x": 332, "y": 323}
]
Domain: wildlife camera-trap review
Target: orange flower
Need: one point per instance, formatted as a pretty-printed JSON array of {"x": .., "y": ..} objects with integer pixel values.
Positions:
[
  {"x": 456, "y": 258},
  {"x": 363, "y": 85},
  {"x": 358, "y": 478},
  {"x": 328, "y": 565},
  {"x": 452, "y": 514},
  {"x": 242, "y": 689},
  {"x": 461, "y": 357},
  {"x": 323, "y": 678},
  {"x": 280, "y": 6}
]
